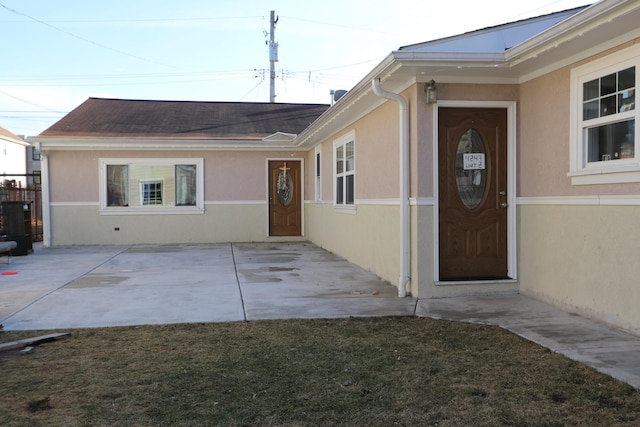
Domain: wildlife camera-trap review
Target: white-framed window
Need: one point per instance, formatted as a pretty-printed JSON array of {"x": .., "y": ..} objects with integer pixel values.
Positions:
[
  {"x": 151, "y": 192},
  {"x": 604, "y": 143},
  {"x": 344, "y": 170},
  {"x": 318, "y": 175},
  {"x": 151, "y": 186}
]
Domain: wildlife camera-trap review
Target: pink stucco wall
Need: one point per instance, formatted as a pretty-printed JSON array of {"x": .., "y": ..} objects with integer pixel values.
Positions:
[
  {"x": 376, "y": 152},
  {"x": 544, "y": 141},
  {"x": 477, "y": 92},
  {"x": 73, "y": 176},
  {"x": 543, "y": 151},
  {"x": 421, "y": 153},
  {"x": 229, "y": 175}
]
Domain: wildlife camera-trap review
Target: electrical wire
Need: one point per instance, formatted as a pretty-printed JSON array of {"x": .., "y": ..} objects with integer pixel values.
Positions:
[
  {"x": 26, "y": 101},
  {"x": 83, "y": 38}
]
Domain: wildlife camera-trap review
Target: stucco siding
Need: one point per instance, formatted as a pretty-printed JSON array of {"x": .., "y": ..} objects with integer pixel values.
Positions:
[
  {"x": 421, "y": 153},
  {"x": 74, "y": 175},
  {"x": 369, "y": 234},
  {"x": 369, "y": 237},
  {"x": 583, "y": 258},
  {"x": 543, "y": 160},
  {"x": 82, "y": 224},
  {"x": 544, "y": 140},
  {"x": 377, "y": 153},
  {"x": 422, "y": 247}
]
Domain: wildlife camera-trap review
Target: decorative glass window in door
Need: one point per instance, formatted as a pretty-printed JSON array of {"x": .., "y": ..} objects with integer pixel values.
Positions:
[
  {"x": 471, "y": 171},
  {"x": 284, "y": 186}
]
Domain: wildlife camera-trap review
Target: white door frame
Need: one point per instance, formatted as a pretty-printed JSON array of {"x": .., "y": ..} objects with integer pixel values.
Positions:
[
  {"x": 302, "y": 189},
  {"x": 512, "y": 256}
]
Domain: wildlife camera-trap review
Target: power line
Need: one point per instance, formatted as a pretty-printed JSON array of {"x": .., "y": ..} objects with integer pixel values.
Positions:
[
  {"x": 195, "y": 19},
  {"x": 33, "y": 112},
  {"x": 347, "y": 27},
  {"x": 26, "y": 102},
  {"x": 82, "y": 38},
  {"x": 144, "y": 82},
  {"x": 119, "y": 21}
]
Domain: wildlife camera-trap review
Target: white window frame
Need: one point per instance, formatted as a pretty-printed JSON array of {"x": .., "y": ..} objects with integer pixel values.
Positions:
[
  {"x": 317, "y": 162},
  {"x": 151, "y": 209},
  {"x": 144, "y": 182},
  {"x": 581, "y": 171},
  {"x": 342, "y": 142}
]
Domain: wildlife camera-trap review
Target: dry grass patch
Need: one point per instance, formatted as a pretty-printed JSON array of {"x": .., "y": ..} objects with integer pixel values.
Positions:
[{"x": 376, "y": 372}]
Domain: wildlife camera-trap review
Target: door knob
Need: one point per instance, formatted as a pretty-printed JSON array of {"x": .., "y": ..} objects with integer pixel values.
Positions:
[
  {"x": 504, "y": 205},
  {"x": 503, "y": 193}
]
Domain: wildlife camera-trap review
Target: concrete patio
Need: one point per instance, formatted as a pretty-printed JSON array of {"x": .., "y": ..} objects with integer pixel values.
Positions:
[
  {"x": 102, "y": 286},
  {"x": 97, "y": 286}
]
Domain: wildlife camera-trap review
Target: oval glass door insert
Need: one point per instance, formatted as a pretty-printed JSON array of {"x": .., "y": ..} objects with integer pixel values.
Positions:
[
  {"x": 471, "y": 171},
  {"x": 284, "y": 186}
]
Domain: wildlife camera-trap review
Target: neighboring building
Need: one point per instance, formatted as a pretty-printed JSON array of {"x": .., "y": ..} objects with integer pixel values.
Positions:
[
  {"x": 13, "y": 165},
  {"x": 33, "y": 167},
  {"x": 521, "y": 174}
]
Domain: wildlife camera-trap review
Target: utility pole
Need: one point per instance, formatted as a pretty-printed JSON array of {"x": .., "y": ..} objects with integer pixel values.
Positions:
[{"x": 273, "y": 58}]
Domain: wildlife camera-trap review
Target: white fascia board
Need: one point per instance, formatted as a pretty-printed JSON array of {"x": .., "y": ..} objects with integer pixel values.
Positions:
[
  {"x": 583, "y": 21},
  {"x": 14, "y": 141},
  {"x": 48, "y": 144},
  {"x": 456, "y": 57}
]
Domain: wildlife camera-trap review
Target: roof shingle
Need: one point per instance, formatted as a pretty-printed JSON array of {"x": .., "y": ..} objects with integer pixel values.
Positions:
[{"x": 121, "y": 118}]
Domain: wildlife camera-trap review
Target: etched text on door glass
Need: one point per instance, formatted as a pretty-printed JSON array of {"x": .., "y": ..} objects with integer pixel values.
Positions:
[{"x": 471, "y": 171}]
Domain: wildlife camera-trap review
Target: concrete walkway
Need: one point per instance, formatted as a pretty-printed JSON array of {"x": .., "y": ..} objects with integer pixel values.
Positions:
[
  {"x": 101, "y": 286},
  {"x": 606, "y": 349}
]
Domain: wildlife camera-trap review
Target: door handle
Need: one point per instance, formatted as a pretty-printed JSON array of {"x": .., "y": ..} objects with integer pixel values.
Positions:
[{"x": 504, "y": 205}]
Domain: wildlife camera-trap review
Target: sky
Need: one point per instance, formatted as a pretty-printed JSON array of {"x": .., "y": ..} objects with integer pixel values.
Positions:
[{"x": 57, "y": 53}]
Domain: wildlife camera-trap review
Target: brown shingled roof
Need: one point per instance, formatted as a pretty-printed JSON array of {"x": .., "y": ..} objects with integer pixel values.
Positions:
[{"x": 120, "y": 118}]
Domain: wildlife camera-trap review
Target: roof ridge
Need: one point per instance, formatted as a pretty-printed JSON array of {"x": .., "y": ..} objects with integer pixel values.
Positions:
[{"x": 202, "y": 102}]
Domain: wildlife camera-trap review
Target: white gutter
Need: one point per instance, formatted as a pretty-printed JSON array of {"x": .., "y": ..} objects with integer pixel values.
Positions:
[
  {"x": 46, "y": 199},
  {"x": 404, "y": 183}
]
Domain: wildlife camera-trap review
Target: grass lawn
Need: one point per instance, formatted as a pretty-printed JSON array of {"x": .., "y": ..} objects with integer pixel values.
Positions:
[{"x": 355, "y": 372}]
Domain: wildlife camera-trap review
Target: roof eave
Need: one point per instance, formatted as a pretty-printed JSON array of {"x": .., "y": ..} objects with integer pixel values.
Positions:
[
  {"x": 305, "y": 139},
  {"x": 14, "y": 140},
  {"x": 414, "y": 58},
  {"x": 155, "y": 144},
  {"x": 586, "y": 20}
]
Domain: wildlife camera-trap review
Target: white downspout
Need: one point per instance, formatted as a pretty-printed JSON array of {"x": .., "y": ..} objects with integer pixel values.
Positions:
[
  {"x": 46, "y": 199},
  {"x": 404, "y": 183}
]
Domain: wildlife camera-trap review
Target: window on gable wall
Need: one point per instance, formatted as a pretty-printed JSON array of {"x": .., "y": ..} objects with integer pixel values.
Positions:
[
  {"x": 344, "y": 171},
  {"x": 143, "y": 185},
  {"x": 604, "y": 141},
  {"x": 318, "y": 177}
]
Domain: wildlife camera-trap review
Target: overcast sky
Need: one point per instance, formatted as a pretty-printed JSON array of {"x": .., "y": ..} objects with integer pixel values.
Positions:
[{"x": 56, "y": 54}]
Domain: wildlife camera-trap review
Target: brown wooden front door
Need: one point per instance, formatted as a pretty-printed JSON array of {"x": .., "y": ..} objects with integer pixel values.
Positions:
[
  {"x": 285, "y": 198},
  {"x": 472, "y": 161}
]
